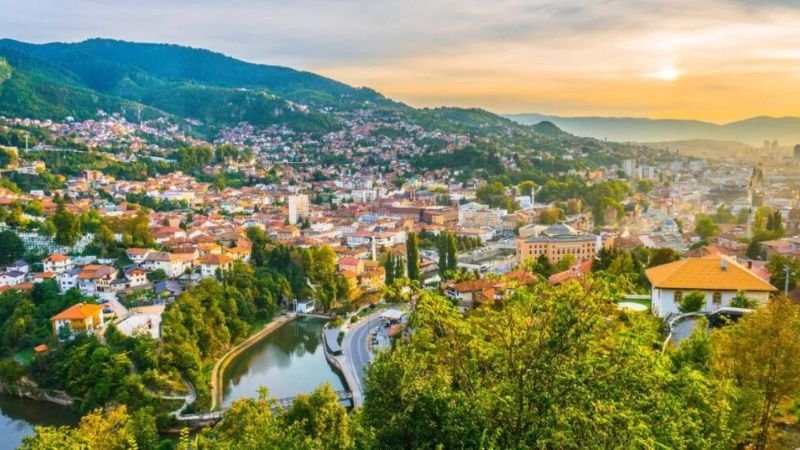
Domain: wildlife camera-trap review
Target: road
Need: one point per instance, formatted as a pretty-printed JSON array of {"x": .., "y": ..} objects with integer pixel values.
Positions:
[{"x": 357, "y": 354}]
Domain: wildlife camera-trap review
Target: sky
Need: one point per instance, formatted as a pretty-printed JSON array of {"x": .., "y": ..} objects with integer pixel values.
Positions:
[{"x": 715, "y": 60}]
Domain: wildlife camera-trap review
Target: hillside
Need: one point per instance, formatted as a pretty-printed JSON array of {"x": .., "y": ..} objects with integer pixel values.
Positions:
[
  {"x": 751, "y": 131},
  {"x": 58, "y": 80}
]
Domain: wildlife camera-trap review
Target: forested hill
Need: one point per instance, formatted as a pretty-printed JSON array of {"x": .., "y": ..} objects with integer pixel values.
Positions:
[{"x": 56, "y": 80}]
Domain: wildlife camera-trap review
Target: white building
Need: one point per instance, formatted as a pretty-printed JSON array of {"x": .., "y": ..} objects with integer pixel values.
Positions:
[
  {"x": 298, "y": 207},
  {"x": 717, "y": 277}
]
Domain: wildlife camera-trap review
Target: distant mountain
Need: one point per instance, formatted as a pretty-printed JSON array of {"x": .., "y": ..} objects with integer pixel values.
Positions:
[
  {"x": 58, "y": 79},
  {"x": 751, "y": 131}
]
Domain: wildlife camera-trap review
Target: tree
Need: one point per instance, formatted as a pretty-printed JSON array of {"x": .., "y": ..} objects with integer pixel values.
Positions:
[
  {"x": 388, "y": 266},
  {"x": 767, "y": 371},
  {"x": 741, "y": 300},
  {"x": 11, "y": 247},
  {"x": 664, "y": 255},
  {"x": 553, "y": 367},
  {"x": 691, "y": 302},
  {"x": 412, "y": 256},
  {"x": 777, "y": 265},
  {"x": 68, "y": 226},
  {"x": 705, "y": 227},
  {"x": 110, "y": 429}
]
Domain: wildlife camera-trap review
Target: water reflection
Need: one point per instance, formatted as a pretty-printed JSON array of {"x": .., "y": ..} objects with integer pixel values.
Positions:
[
  {"x": 288, "y": 362},
  {"x": 18, "y": 417}
]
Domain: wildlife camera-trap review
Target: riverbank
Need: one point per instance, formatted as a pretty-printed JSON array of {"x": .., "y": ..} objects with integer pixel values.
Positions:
[
  {"x": 217, "y": 373},
  {"x": 34, "y": 393}
]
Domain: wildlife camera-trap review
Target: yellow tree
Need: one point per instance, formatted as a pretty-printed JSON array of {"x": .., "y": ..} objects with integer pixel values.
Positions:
[{"x": 759, "y": 355}]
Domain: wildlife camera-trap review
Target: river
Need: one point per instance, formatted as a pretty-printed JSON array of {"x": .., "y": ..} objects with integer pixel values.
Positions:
[
  {"x": 288, "y": 361},
  {"x": 18, "y": 416}
]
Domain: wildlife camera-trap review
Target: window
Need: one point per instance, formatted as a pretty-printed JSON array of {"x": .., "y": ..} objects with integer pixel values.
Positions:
[
  {"x": 717, "y": 298},
  {"x": 678, "y": 296}
]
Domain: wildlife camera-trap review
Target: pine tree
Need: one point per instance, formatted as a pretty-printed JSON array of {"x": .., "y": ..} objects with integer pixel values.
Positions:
[
  {"x": 452, "y": 251},
  {"x": 389, "y": 266}
]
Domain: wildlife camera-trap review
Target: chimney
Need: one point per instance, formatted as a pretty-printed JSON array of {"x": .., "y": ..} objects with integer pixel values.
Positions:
[
  {"x": 749, "y": 263},
  {"x": 723, "y": 264}
]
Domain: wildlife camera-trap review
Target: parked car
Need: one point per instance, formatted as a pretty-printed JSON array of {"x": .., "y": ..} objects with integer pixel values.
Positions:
[
  {"x": 102, "y": 301},
  {"x": 726, "y": 316},
  {"x": 108, "y": 311}
]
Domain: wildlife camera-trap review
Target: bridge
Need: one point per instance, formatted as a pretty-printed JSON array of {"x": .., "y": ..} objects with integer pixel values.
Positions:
[{"x": 282, "y": 403}]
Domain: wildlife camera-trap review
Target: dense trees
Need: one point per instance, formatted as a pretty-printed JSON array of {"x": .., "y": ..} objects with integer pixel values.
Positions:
[
  {"x": 68, "y": 226},
  {"x": 546, "y": 370},
  {"x": 447, "y": 248},
  {"x": 705, "y": 227},
  {"x": 11, "y": 247}
]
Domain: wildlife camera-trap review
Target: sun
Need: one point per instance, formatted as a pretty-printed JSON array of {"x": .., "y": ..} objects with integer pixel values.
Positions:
[{"x": 666, "y": 74}]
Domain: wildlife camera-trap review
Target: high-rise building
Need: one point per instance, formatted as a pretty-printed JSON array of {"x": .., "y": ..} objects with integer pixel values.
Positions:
[
  {"x": 797, "y": 151},
  {"x": 298, "y": 207},
  {"x": 629, "y": 167}
]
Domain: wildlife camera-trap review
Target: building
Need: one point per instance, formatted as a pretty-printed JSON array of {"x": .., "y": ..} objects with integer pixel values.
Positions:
[
  {"x": 57, "y": 263},
  {"x": 718, "y": 277},
  {"x": 210, "y": 265},
  {"x": 298, "y": 207},
  {"x": 95, "y": 278},
  {"x": 77, "y": 318},
  {"x": 556, "y": 242},
  {"x": 797, "y": 151},
  {"x": 476, "y": 215}
]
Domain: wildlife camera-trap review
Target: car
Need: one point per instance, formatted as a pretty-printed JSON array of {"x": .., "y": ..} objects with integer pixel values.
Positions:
[
  {"x": 726, "y": 316},
  {"x": 108, "y": 311},
  {"x": 102, "y": 301}
]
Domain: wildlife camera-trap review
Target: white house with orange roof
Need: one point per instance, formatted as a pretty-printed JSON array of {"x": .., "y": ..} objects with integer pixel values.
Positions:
[
  {"x": 57, "y": 263},
  {"x": 718, "y": 277},
  {"x": 210, "y": 265},
  {"x": 81, "y": 317}
]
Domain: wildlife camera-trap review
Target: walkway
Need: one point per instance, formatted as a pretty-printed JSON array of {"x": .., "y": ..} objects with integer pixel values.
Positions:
[
  {"x": 219, "y": 368},
  {"x": 279, "y": 403}
]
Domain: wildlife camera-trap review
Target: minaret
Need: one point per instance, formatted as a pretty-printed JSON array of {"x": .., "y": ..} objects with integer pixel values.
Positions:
[{"x": 374, "y": 253}]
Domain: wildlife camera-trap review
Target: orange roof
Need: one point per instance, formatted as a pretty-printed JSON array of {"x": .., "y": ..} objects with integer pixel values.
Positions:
[
  {"x": 707, "y": 274},
  {"x": 56, "y": 257},
  {"x": 80, "y": 311},
  {"x": 215, "y": 260}
]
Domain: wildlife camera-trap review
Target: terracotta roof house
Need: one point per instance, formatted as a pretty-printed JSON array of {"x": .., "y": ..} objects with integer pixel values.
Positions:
[
  {"x": 81, "y": 317},
  {"x": 717, "y": 276}
]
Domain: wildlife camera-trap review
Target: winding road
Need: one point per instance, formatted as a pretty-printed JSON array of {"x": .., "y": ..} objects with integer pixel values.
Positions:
[{"x": 357, "y": 355}]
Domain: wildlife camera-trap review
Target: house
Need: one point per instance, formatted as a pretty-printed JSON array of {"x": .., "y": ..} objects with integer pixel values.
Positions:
[
  {"x": 40, "y": 277},
  {"x": 136, "y": 276},
  {"x": 68, "y": 279},
  {"x": 95, "y": 278},
  {"x": 137, "y": 255},
  {"x": 11, "y": 278},
  {"x": 19, "y": 265},
  {"x": 173, "y": 265},
  {"x": 81, "y": 317},
  {"x": 57, "y": 263},
  {"x": 210, "y": 264},
  {"x": 351, "y": 264},
  {"x": 718, "y": 277}
]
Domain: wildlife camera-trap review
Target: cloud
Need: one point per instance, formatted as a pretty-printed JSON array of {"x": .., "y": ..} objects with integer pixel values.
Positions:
[{"x": 593, "y": 57}]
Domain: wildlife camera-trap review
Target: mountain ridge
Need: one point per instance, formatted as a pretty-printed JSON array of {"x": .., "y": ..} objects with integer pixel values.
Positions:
[{"x": 752, "y": 131}]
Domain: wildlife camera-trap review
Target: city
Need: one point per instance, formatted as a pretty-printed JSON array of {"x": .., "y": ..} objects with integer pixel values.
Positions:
[{"x": 202, "y": 252}]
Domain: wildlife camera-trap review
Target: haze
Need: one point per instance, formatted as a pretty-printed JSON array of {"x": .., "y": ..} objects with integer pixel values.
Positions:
[{"x": 719, "y": 61}]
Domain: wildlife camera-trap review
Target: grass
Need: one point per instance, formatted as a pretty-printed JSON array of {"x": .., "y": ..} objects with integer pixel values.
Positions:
[
  {"x": 25, "y": 357},
  {"x": 645, "y": 303}
]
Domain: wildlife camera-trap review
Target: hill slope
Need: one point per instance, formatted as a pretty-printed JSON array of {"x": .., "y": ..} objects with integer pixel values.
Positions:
[{"x": 56, "y": 80}]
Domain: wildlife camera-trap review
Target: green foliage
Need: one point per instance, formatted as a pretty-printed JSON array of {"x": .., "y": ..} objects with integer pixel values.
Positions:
[
  {"x": 552, "y": 368},
  {"x": 705, "y": 227},
  {"x": 68, "y": 226},
  {"x": 691, "y": 302},
  {"x": 741, "y": 300},
  {"x": 777, "y": 265},
  {"x": 494, "y": 195},
  {"x": 11, "y": 247},
  {"x": 412, "y": 257}
]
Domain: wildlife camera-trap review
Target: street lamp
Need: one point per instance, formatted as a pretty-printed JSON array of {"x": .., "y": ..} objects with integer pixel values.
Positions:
[{"x": 788, "y": 271}]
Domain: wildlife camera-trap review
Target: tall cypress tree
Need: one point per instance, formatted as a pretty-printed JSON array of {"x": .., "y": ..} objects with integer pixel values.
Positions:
[
  {"x": 452, "y": 251},
  {"x": 389, "y": 268},
  {"x": 412, "y": 256},
  {"x": 441, "y": 247}
]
